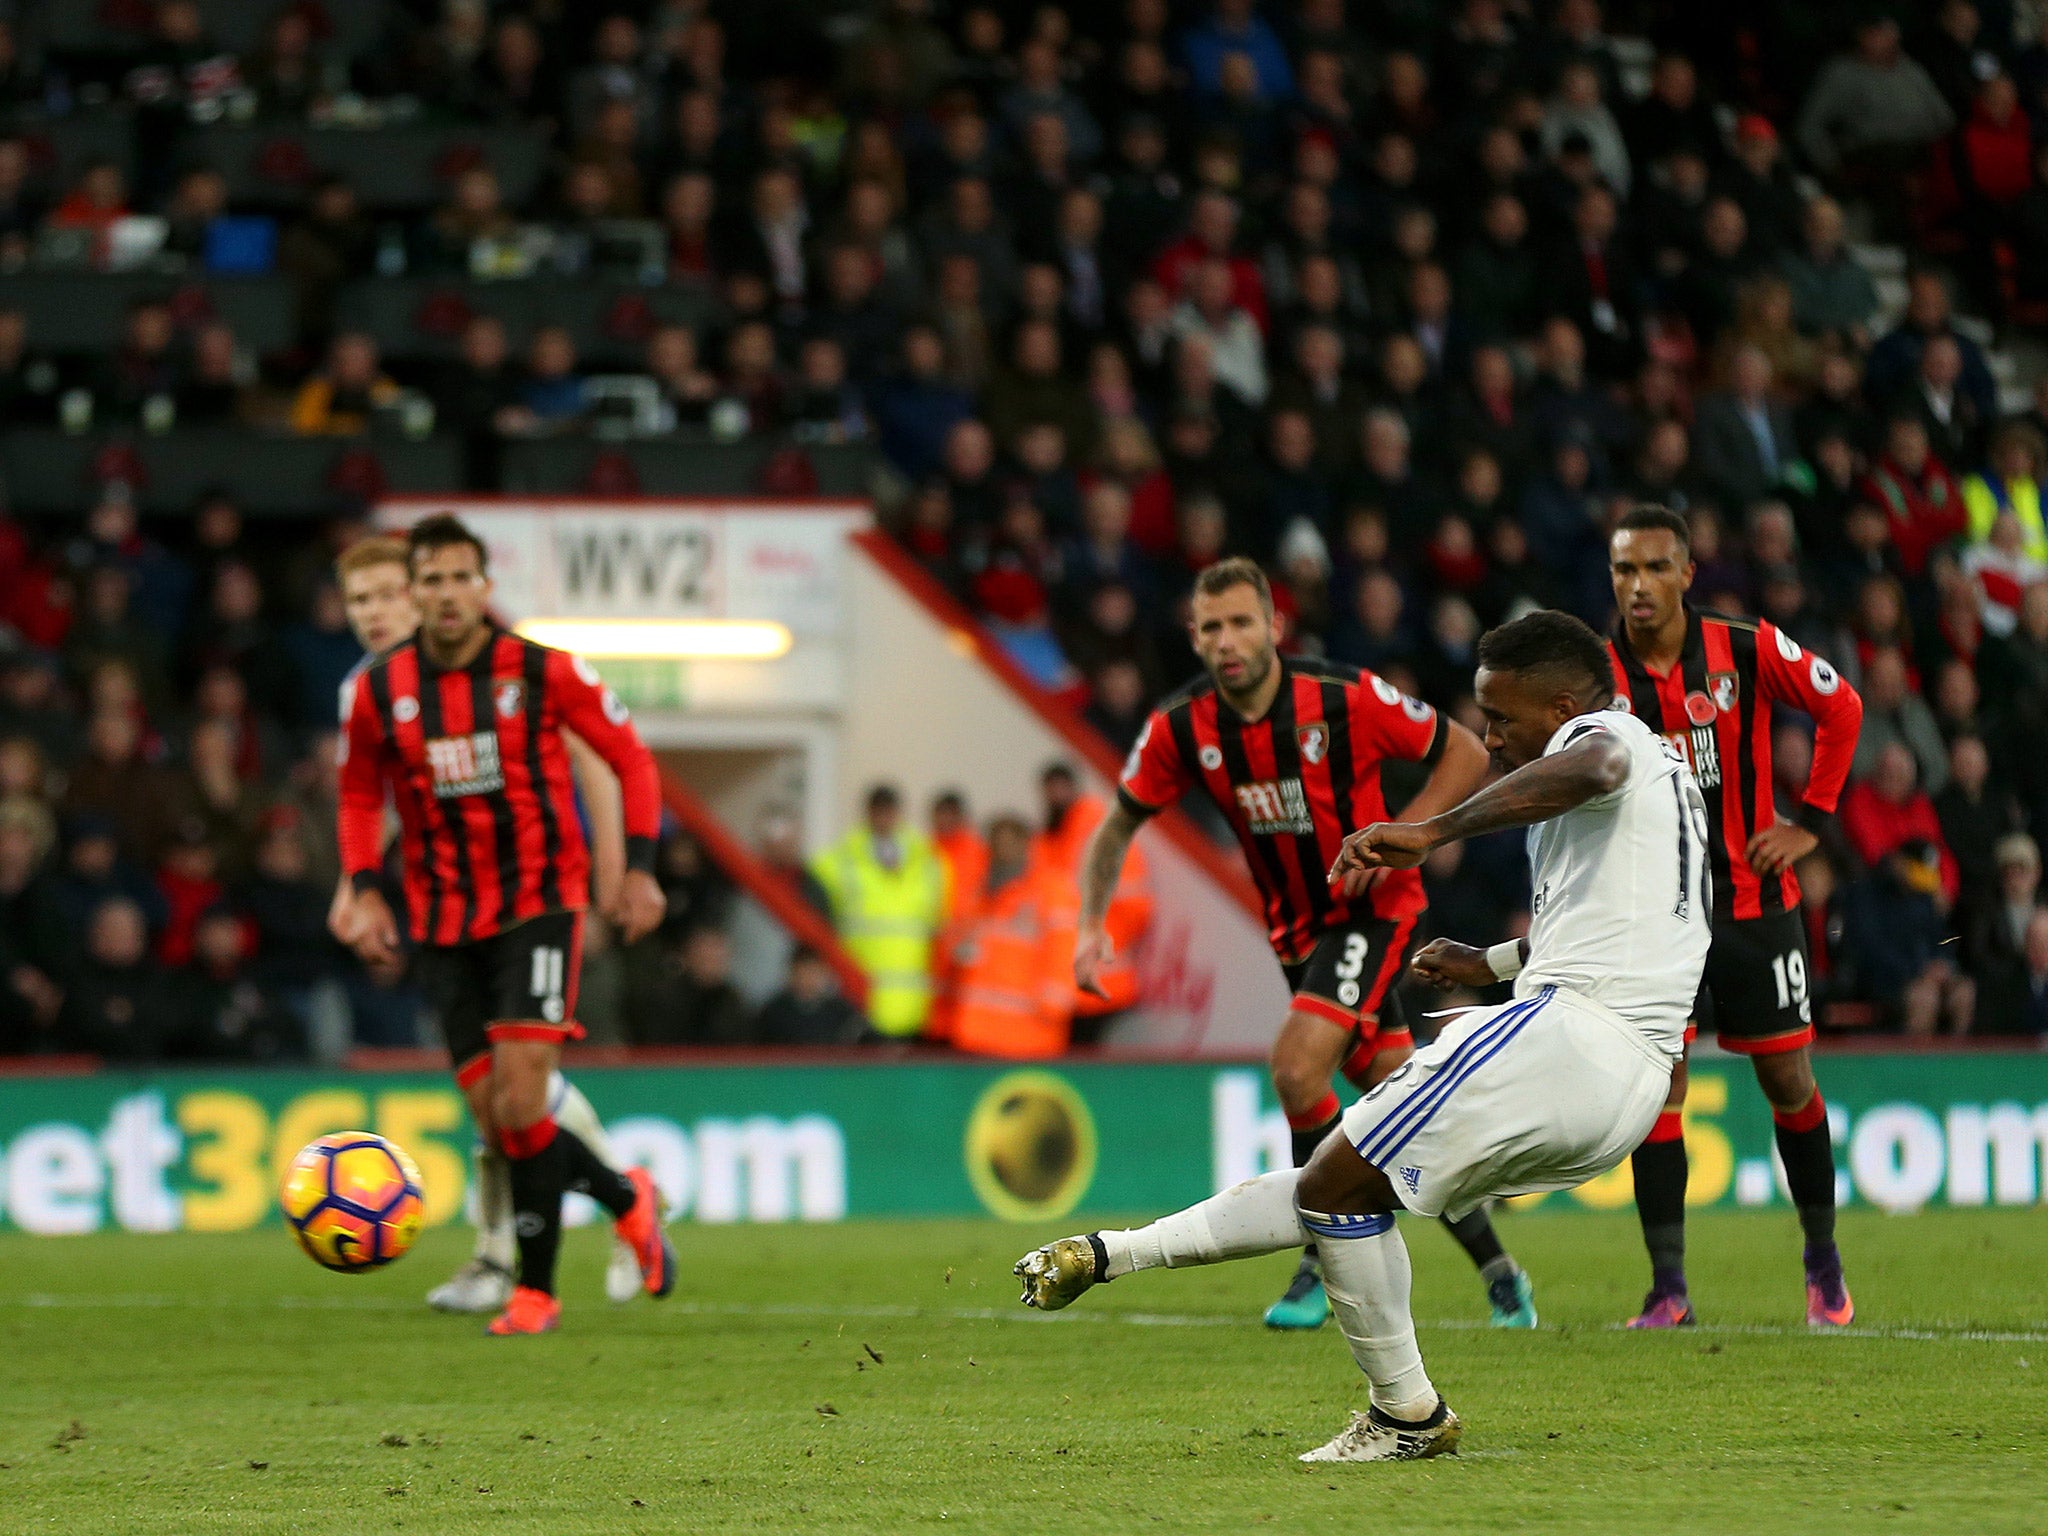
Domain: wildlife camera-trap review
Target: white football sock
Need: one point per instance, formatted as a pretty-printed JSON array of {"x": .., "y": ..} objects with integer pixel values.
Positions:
[
  {"x": 1251, "y": 1218},
  {"x": 496, "y": 1241},
  {"x": 574, "y": 1114},
  {"x": 1367, "y": 1277}
]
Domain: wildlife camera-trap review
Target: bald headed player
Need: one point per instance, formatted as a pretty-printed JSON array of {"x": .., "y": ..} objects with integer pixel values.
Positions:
[
  {"x": 376, "y": 591},
  {"x": 1707, "y": 684}
]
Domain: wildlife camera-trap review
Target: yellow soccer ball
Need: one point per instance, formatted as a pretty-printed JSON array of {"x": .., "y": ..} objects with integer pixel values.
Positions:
[{"x": 353, "y": 1201}]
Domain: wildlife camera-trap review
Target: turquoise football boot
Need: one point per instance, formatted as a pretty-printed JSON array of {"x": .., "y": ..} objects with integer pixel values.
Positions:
[
  {"x": 1306, "y": 1304},
  {"x": 1513, "y": 1299}
]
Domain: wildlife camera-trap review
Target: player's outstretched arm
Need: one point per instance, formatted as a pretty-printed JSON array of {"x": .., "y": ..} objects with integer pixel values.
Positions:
[
  {"x": 1594, "y": 765},
  {"x": 1100, "y": 871}
]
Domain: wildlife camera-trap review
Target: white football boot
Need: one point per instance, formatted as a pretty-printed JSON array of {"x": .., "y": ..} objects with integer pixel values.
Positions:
[
  {"x": 479, "y": 1286},
  {"x": 1373, "y": 1436},
  {"x": 622, "y": 1278}
]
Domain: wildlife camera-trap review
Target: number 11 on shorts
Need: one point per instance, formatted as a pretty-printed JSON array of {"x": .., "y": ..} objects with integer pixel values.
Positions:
[{"x": 547, "y": 982}]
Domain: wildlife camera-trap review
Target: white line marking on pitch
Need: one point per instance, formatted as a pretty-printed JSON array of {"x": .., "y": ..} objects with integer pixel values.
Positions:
[{"x": 1933, "y": 1333}]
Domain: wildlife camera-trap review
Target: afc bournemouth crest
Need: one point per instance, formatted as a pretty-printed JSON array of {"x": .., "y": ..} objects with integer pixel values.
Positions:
[
  {"x": 1314, "y": 740},
  {"x": 1723, "y": 686},
  {"x": 511, "y": 699}
]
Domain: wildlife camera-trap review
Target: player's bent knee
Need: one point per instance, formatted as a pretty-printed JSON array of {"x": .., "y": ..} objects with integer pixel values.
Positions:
[
  {"x": 1337, "y": 1181},
  {"x": 519, "y": 1083},
  {"x": 1305, "y": 1058}
]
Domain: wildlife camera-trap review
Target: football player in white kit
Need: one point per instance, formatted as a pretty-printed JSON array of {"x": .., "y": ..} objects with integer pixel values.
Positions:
[
  {"x": 376, "y": 590},
  {"x": 1544, "y": 1092}
]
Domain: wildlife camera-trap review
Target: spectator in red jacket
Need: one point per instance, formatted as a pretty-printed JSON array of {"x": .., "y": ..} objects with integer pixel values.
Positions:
[
  {"x": 1920, "y": 497},
  {"x": 1890, "y": 809},
  {"x": 1995, "y": 148},
  {"x": 1212, "y": 233}
]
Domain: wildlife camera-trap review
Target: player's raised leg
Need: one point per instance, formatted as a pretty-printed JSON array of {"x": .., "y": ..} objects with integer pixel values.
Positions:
[
  {"x": 484, "y": 1282},
  {"x": 547, "y": 1160},
  {"x": 622, "y": 1277},
  {"x": 1660, "y": 1170},
  {"x": 535, "y": 972},
  {"x": 1245, "y": 1220},
  {"x": 1806, "y": 1148},
  {"x": 1264, "y": 1215}
]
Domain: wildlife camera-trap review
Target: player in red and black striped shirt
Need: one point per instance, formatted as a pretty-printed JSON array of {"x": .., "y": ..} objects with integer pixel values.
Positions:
[
  {"x": 1290, "y": 750},
  {"x": 1709, "y": 683},
  {"x": 463, "y": 724}
]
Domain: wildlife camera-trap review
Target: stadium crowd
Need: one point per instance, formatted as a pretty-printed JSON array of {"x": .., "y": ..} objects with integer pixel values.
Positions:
[{"x": 1408, "y": 302}]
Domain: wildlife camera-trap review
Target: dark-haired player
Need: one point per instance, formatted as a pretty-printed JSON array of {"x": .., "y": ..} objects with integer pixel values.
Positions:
[
  {"x": 1707, "y": 684},
  {"x": 376, "y": 591},
  {"x": 1543, "y": 1092},
  {"x": 464, "y": 724},
  {"x": 1290, "y": 750}
]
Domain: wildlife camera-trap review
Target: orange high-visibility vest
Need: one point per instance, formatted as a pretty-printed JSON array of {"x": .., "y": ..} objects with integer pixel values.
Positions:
[
  {"x": 1016, "y": 982},
  {"x": 1060, "y": 855},
  {"x": 965, "y": 856}
]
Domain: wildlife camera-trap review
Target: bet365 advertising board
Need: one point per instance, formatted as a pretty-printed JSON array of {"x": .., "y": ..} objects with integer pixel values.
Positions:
[{"x": 167, "y": 1151}]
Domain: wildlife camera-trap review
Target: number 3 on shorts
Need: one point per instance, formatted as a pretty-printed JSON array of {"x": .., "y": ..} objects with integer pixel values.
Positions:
[
  {"x": 1349, "y": 968},
  {"x": 546, "y": 985}
]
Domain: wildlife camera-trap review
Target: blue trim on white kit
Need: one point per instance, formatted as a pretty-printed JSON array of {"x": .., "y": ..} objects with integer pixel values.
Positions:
[
  {"x": 1471, "y": 1054},
  {"x": 1482, "y": 1034},
  {"x": 1346, "y": 1225}
]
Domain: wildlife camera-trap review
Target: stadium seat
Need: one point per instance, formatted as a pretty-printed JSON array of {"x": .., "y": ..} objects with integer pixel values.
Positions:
[
  {"x": 403, "y": 168},
  {"x": 48, "y": 471},
  {"x": 75, "y": 312}
]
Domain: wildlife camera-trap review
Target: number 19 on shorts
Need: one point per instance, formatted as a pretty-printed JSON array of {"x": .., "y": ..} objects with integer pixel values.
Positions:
[{"x": 1789, "y": 970}]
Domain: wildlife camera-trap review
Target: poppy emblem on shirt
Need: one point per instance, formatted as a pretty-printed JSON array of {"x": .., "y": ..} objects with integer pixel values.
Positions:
[
  {"x": 1699, "y": 709},
  {"x": 1724, "y": 686},
  {"x": 405, "y": 709},
  {"x": 1212, "y": 758},
  {"x": 511, "y": 699},
  {"x": 1315, "y": 742}
]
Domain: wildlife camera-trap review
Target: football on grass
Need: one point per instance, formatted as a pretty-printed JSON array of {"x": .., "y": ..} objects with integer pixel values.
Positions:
[{"x": 353, "y": 1201}]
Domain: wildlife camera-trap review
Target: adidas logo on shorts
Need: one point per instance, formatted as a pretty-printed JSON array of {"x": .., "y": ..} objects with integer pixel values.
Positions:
[{"x": 1412, "y": 1177}]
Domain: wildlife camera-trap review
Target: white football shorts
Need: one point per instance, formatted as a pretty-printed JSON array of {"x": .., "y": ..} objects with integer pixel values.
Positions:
[{"x": 1541, "y": 1093}]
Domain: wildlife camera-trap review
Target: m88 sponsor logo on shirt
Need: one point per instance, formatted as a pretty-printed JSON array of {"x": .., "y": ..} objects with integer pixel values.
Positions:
[
  {"x": 465, "y": 765},
  {"x": 1700, "y": 750},
  {"x": 1275, "y": 807}
]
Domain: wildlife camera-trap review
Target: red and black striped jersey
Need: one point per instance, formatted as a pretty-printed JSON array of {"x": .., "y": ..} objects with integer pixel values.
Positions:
[
  {"x": 489, "y": 833},
  {"x": 1293, "y": 785},
  {"x": 1715, "y": 708}
]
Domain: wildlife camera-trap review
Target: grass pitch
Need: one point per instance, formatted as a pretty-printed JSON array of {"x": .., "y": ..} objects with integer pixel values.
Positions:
[{"x": 880, "y": 1377}]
